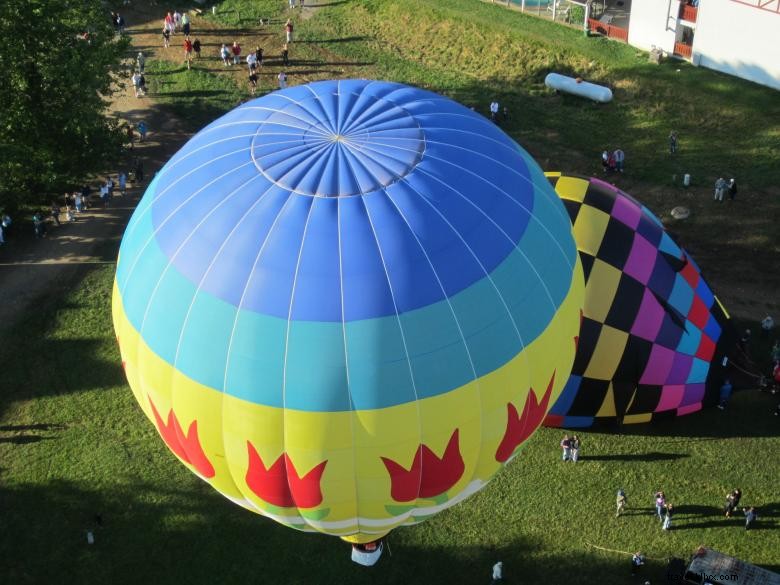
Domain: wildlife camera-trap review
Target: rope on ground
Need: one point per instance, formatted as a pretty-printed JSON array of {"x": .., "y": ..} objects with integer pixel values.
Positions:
[
  {"x": 756, "y": 376},
  {"x": 612, "y": 550}
]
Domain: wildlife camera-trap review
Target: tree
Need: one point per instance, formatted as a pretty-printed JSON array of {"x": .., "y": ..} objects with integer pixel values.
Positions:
[{"x": 58, "y": 62}]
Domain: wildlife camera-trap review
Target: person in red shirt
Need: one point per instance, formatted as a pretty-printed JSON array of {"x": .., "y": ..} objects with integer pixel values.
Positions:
[
  {"x": 187, "y": 51},
  {"x": 236, "y": 53}
]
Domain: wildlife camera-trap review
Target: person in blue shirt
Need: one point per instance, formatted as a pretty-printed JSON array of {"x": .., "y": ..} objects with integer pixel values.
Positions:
[{"x": 725, "y": 394}]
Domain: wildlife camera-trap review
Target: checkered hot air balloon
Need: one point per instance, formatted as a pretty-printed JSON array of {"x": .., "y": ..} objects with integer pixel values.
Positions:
[
  {"x": 347, "y": 304},
  {"x": 654, "y": 336}
]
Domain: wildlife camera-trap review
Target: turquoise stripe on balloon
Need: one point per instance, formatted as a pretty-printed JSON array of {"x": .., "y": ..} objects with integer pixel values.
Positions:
[{"x": 379, "y": 375}]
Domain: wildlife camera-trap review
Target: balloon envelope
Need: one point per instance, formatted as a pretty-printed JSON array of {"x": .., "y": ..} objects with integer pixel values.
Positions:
[
  {"x": 654, "y": 336},
  {"x": 345, "y": 305}
]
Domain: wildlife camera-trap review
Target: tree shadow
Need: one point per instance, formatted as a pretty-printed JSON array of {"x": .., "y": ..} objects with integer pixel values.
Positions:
[
  {"x": 144, "y": 533},
  {"x": 328, "y": 41},
  {"x": 639, "y": 457}
]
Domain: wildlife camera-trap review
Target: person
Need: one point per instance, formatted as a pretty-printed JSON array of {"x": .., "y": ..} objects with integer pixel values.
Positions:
[
  {"x": 236, "y": 49},
  {"x": 168, "y": 23},
  {"x": 252, "y": 81},
  {"x": 104, "y": 194},
  {"x": 141, "y": 131},
  {"x": 605, "y": 160},
  {"x": 498, "y": 572},
  {"x": 672, "y": 142},
  {"x": 767, "y": 324},
  {"x": 196, "y": 47},
  {"x": 732, "y": 500},
  {"x": 285, "y": 55},
  {"x": 725, "y": 394},
  {"x": 732, "y": 187},
  {"x": 251, "y": 61},
  {"x": 120, "y": 24},
  {"x": 720, "y": 189},
  {"x": 637, "y": 560},
  {"x": 142, "y": 85},
  {"x": 136, "y": 79},
  {"x": 78, "y": 202},
  {"x": 122, "y": 182},
  {"x": 660, "y": 504},
  {"x": 39, "y": 226},
  {"x": 166, "y": 37},
  {"x": 575, "y": 449},
  {"x": 300, "y": 3},
  {"x": 566, "y": 447},
  {"x": 288, "y": 29},
  {"x": 176, "y": 21},
  {"x": 667, "y": 525},
  {"x": 259, "y": 55},
  {"x": 611, "y": 162},
  {"x": 224, "y": 52},
  {"x": 620, "y": 159},
  {"x": 750, "y": 516},
  {"x": 282, "y": 80},
  {"x": 139, "y": 170},
  {"x": 185, "y": 23},
  {"x": 621, "y": 502},
  {"x": 494, "y": 110},
  {"x": 187, "y": 51},
  {"x": 55, "y": 212},
  {"x": 774, "y": 353},
  {"x": 292, "y": 4},
  {"x": 140, "y": 62}
]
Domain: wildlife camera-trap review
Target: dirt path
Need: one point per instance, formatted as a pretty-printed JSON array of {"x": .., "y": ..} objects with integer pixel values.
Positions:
[{"x": 32, "y": 270}]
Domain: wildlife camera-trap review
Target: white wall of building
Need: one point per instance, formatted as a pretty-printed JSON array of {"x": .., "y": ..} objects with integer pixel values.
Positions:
[
  {"x": 654, "y": 23},
  {"x": 737, "y": 39}
]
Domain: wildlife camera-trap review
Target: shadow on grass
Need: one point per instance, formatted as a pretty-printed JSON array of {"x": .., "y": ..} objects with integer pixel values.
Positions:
[
  {"x": 144, "y": 533},
  {"x": 637, "y": 457}
]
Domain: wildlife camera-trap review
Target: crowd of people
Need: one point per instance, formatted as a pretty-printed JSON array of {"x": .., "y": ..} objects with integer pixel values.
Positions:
[{"x": 613, "y": 161}]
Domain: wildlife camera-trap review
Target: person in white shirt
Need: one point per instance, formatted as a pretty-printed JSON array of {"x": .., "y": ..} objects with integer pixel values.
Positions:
[
  {"x": 494, "y": 110},
  {"x": 498, "y": 572},
  {"x": 282, "y": 80}
]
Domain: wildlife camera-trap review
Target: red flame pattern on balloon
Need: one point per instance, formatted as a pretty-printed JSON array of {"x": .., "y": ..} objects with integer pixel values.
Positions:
[
  {"x": 186, "y": 448},
  {"x": 280, "y": 484},
  {"x": 429, "y": 475},
  {"x": 519, "y": 428}
]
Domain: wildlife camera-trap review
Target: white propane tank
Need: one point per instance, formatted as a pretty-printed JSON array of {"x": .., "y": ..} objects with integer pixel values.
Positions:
[{"x": 597, "y": 93}]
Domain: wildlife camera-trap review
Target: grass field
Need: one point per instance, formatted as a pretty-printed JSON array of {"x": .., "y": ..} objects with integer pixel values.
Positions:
[{"x": 73, "y": 443}]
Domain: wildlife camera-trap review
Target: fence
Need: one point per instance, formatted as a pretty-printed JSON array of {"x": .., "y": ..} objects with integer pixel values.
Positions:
[{"x": 609, "y": 30}]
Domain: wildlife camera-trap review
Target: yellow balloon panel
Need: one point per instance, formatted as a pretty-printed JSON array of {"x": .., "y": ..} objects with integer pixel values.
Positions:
[{"x": 361, "y": 472}]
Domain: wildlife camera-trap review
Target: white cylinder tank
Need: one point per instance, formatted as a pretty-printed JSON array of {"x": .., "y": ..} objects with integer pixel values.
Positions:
[{"x": 597, "y": 93}]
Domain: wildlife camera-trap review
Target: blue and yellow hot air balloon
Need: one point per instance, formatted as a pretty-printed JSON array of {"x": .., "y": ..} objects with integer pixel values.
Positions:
[{"x": 345, "y": 305}]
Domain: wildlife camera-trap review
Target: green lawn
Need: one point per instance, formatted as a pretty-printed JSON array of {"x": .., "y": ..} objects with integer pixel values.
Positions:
[{"x": 74, "y": 444}]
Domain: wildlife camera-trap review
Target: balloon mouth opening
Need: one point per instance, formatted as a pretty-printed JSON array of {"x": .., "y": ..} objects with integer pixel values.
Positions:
[{"x": 363, "y": 144}]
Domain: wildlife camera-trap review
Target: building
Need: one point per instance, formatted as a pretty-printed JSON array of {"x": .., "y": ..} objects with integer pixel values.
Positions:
[{"x": 739, "y": 37}]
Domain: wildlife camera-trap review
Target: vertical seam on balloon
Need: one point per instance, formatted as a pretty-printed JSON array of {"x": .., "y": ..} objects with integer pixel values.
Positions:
[
  {"x": 325, "y": 116},
  {"x": 159, "y": 194},
  {"x": 520, "y": 176},
  {"x": 312, "y": 202},
  {"x": 176, "y": 252},
  {"x": 162, "y": 276},
  {"x": 403, "y": 340},
  {"x": 235, "y": 325},
  {"x": 500, "y": 296},
  {"x": 346, "y": 368},
  {"x": 444, "y": 292},
  {"x": 178, "y": 208}
]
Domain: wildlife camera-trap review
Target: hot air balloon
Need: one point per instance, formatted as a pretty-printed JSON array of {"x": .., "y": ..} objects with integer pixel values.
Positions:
[
  {"x": 654, "y": 339},
  {"x": 346, "y": 305}
]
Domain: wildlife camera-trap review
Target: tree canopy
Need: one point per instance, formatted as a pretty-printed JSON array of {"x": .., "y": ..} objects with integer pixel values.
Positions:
[{"x": 58, "y": 61}]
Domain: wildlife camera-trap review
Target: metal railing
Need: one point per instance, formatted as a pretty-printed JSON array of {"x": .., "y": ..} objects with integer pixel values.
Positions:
[
  {"x": 683, "y": 50},
  {"x": 609, "y": 30},
  {"x": 688, "y": 13}
]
